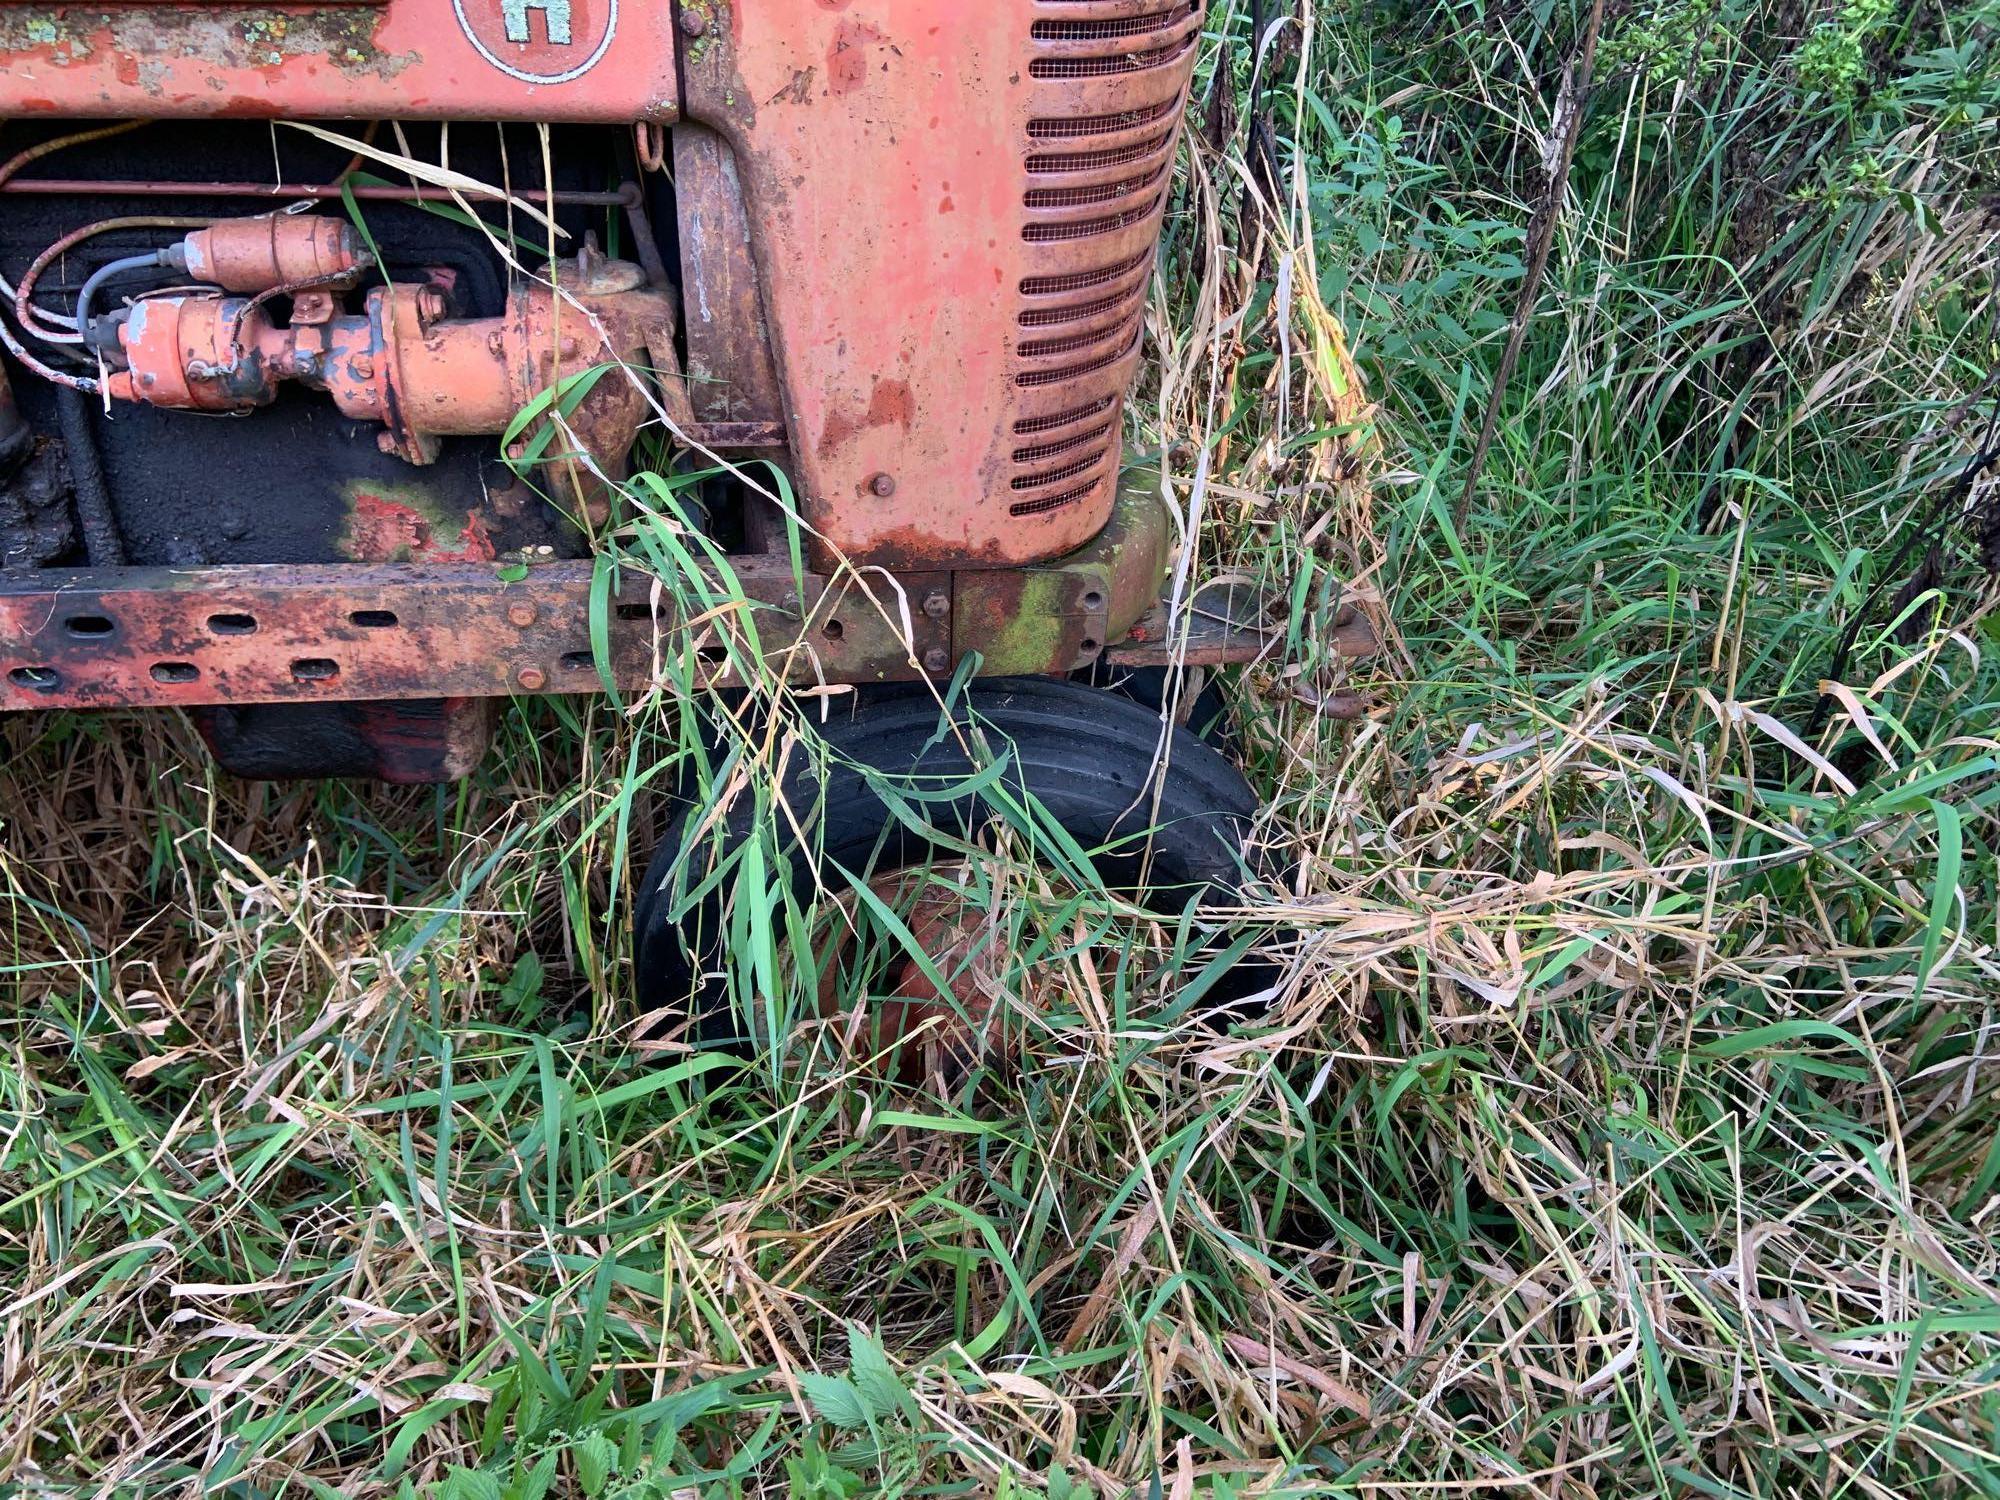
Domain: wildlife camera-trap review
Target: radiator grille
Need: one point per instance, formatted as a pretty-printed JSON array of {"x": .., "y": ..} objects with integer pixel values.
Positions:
[
  {"x": 1029, "y": 426},
  {"x": 1053, "y": 163},
  {"x": 1109, "y": 67},
  {"x": 1077, "y": 343},
  {"x": 1131, "y": 119},
  {"x": 1048, "y": 451},
  {"x": 1104, "y": 192},
  {"x": 1094, "y": 31},
  {"x": 1055, "y": 317},
  {"x": 1082, "y": 281},
  {"x": 1063, "y": 475},
  {"x": 1030, "y": 380},
  {"x": 1042, "y": 504},
  {"x": 1112, "y": 89},
  {"x": 1086, "y": 229}
]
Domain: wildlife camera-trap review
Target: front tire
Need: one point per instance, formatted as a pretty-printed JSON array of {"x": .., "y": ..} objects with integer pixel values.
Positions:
[{"x": 1086, "y": 756}]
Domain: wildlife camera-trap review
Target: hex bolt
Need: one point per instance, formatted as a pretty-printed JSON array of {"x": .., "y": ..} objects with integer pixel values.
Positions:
[
  {"x": 430, "y": 304},
  {"x": 386, "y": 441},
  {"x": 937, "y": 604},
  {"x": 937, "y": 659},
  {"x": 882, "y": 486},
  {"x": 693, "y": 23},
  {"x": 521, "y": 614},
  {"x": 533, "y": 679}
]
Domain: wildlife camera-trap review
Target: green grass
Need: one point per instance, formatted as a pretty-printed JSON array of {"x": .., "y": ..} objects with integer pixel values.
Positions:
[{"x": 1623, "y": 1120}]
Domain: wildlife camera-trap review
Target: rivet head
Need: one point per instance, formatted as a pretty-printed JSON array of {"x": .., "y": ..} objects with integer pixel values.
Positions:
[
  {"x": 362, "y": 367},
  {"x": 937, "y": 604},
  {"x": 521, "y": 614},
  {"x": 936, "y": 659},
  {"x": 533, "y": 679},
  {"x": 693, "y": 23},
  {"x": 882, "y": 486}
]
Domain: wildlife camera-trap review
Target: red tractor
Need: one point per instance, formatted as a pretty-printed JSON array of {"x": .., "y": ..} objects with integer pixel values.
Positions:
[{"x": 340, "y": 334}]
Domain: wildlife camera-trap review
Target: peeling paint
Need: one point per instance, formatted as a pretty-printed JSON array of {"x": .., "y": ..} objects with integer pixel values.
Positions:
[
  {"x": 405, "y": 59},
  {"x": 227, "y": 39}
]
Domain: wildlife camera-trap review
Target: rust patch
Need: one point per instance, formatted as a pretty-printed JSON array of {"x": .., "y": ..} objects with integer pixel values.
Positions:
[
  {"x": 943, "y": 1029},
  {"x": 1230, "y": 623},
  {"x": 381, "y": 529},
  {"x": 892, "y": 403},
  {"x": 847, "y": 58},
  {"x": 353, "y": 632},
  {"x": 919, "y": 546}
]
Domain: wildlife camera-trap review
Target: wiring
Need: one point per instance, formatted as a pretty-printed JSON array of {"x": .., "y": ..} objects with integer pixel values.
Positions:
[
  {"x": 38, "y": 323},
  {"x": 25, "y": 291},
  {"x": 29, "y": 362}
]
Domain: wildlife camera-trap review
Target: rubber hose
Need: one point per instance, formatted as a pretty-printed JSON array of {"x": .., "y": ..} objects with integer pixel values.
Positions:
[{"x": 102, "y": 544}]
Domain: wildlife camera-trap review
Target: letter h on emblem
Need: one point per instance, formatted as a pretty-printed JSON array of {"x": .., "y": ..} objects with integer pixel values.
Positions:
[{"x": 555, "y": 12}]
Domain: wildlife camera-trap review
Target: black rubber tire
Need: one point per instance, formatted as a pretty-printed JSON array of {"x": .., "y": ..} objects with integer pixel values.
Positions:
[
  {"x": 1206, "y": 714},
  {"x": 1085, "y": 754}
]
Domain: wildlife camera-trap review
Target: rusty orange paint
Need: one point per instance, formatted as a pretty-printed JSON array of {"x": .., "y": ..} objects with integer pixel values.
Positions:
[
  {"x": 955, "y": 209},
  {"x": 602, "y": 61},
  {"x": 269, "y": 251},
  {"x": 406, "y": 363},
  {"x": 351, "y": 632}
]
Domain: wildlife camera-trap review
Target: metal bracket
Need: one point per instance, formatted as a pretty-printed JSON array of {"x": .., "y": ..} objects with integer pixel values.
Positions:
[{"x": 278, "y": 633}]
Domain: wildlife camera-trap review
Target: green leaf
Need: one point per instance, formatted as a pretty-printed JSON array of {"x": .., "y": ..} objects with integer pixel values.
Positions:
[
  {"x": 1944, "y": 889},
  {"x": 559, "y": 400},
  {"x": 353, "y": 206},
  {"x": 836, "y": 1400},
  {"x": 603, "y": 579},
  {"x": 882, "y": 1389},
  {"x": 536, "y": 1482},
  {"x": 1777, "y": 1034},
  {"x": 471, "y": 1484},
  {"x": 596, "y": 1461}
]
